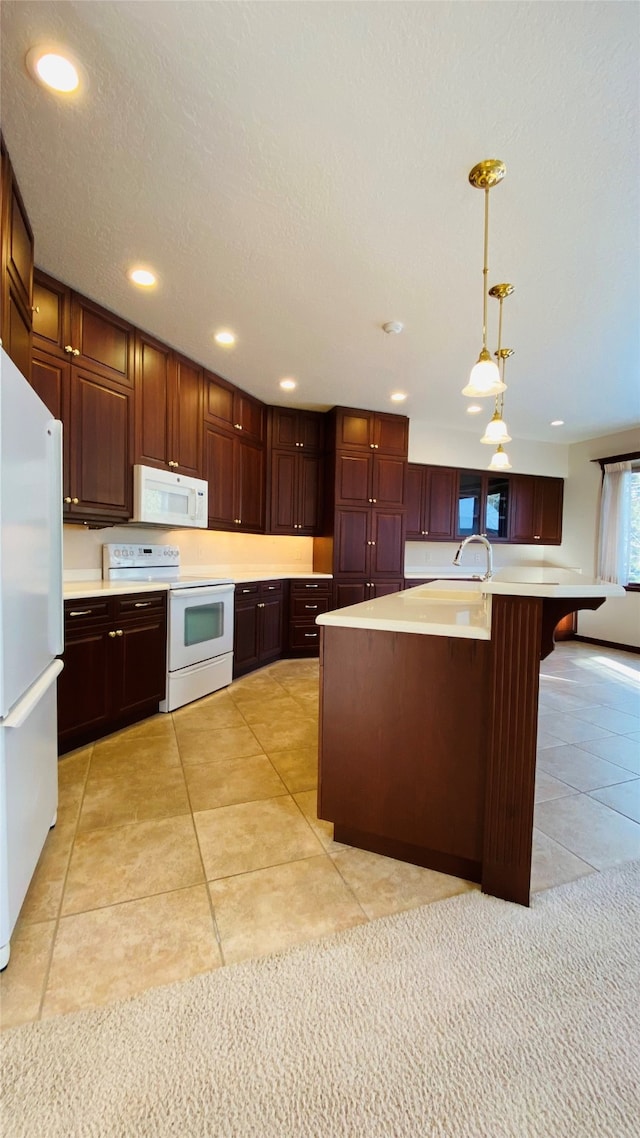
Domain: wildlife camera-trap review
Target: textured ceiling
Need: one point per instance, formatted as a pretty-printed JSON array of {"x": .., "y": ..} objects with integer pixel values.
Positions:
[{"x": 298, "y": 172}]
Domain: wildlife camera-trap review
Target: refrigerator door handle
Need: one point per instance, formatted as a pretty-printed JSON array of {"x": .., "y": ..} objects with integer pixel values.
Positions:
[
  {"x": 21, "y": 711},
  {"x": 56, "y": 613}
]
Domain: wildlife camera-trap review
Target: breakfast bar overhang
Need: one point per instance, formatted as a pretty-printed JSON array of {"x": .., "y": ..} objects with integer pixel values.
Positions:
[{"x": 428, "y": 720}]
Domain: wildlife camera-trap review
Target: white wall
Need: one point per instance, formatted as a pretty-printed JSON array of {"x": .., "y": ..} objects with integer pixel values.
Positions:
[{"x": 619, "y": 619}]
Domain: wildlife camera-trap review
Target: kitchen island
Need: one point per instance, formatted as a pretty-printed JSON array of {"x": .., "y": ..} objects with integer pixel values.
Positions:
[{"x": 428, "y": 720}]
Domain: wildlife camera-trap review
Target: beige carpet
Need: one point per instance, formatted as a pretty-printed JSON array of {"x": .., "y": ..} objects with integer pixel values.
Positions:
[{"x": 462, "y": 1019}]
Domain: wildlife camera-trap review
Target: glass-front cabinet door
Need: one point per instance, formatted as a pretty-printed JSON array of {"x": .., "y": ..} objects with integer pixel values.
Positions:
[{"x": 483, "y": 505}]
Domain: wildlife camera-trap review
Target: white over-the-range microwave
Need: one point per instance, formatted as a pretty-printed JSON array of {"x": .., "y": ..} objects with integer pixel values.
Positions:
[{"x": 163, "y": 498}]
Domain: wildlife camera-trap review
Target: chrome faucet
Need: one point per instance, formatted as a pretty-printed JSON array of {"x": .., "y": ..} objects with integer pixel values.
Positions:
[{"x": 482, "y": 538}]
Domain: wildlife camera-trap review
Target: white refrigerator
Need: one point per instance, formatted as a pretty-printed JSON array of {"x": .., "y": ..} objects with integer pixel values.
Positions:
[{"x": 31, "y": 634}]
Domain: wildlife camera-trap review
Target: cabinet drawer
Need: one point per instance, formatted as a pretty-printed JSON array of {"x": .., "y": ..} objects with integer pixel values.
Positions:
[
  {"x": 308, "y": 607},
  {"x": 140, "y": 604},
  {"x": 86, "y": 609},
  {"x": 307, "y": 588},
  {"x": 269, "y": 588},
  {"x": 247, "y": 589},
  {"x": 304, "y": 636}
]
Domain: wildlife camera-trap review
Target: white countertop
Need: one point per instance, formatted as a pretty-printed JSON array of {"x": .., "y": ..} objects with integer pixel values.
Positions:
[
  {"x": 74, "y": 590},
  {"x": 462, "y": 608}
]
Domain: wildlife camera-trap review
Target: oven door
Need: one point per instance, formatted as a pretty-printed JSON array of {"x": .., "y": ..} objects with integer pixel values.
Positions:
[{"x": 200, "y": 624}]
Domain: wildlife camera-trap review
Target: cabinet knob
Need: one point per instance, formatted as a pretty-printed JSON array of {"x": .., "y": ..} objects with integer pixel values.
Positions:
[
  {"x": 75, "y": 501},
  {"x": 67, "y": 501},
  {"x": 237, "y": 521},
  {"x": 536, "y": 537},
  {"x": 238, "y": 426},
  {"x": 68, "y": 348},
  {"x": 35, "y": 307},
  {"x": 260, "y": 605},
  {"x": 76, "y": 351},
  {"x": 301, "y": 444},
  {"x": 119, "y": 632},
  {"x": 112, "y": 635},
  {"x": 373, "y": 543}
]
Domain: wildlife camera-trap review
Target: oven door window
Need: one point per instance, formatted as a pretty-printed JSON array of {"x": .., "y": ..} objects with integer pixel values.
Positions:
[{"x": 203, "y": 623}]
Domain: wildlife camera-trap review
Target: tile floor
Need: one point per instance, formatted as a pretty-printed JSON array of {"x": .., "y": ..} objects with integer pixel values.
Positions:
[{"x": 191, "y": 841}]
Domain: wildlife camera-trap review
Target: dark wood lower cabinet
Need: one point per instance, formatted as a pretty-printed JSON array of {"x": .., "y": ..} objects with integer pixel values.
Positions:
[
  {"x": 114, "y": 666},
  {"x": 307, "y": 599},
  {"x": 259, "y": 624},
  {"x": 354, "y": 592}
]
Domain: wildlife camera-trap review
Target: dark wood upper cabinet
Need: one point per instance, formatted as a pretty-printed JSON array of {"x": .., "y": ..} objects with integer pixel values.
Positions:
[
  {"x": 369, "y": 479},
  {"x": 296, "y": 430},
  {"x": 295, "y": 498},
  {"x": 228, "y": 407},
  {"x": 16, "y": 269},
  {"x": 483, "y": 505},
  {"x": 99, "y": 427},
  {"x": 51, "y": 314},
  {"x": 371, "y": 430},
  {"x": 234, "y": 469},
  {"x": 168, "y": 409},
  {"x": 536, "y": 509},
  {"x": 103, "y": 342}
]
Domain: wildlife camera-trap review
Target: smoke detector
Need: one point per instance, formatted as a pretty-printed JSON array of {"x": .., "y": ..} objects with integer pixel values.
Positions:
[{"x": 392, "y": 326}]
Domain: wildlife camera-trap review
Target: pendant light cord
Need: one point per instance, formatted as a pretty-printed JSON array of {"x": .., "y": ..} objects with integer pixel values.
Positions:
[{"x": 485, "y": 269}]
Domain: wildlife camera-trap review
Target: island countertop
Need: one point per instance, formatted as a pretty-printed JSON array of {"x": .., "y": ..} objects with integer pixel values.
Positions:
[{"x": 463, "y": 608}]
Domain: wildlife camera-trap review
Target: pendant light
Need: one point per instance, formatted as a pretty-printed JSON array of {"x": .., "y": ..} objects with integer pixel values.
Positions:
[
  {"x": 500, "y": 460},
  {"x": 485, "y": 375},
  {"x": 496, "y": 431}
]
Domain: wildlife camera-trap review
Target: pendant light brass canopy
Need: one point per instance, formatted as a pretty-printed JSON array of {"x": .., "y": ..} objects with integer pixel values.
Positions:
[{"x": 485, "y": 375}]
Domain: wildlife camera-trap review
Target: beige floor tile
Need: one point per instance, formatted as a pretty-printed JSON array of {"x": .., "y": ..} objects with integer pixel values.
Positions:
[
  {"x": 568, "y": 728},
  {"x": 592, "y": 831},
  {"x": 552, "y": 864},
  {"x": 624, "y": 798},
  {"x": 256, "y": 683},
  {"x": 618, "y": 749},
  {"x": 287, "y": 736},
  {"x": 271, "y": 710},
  {"x": 199, "y": 746},
  {"x": 298, "y": 769},
  {"x": 72, "y": 768},
  {"x": 228, "y": 781},
  {"x": 217, "y": 710},
  {"x": 22, "y": 982},
  {"x": 308, "y": 802},
  {"x": 111, "y": 800},
  {"x": 271, "y": 909},
  {"x": 114, "y": 953},
  {"x": 549, "y": 787},
  {"x": 124, "y": 752},
  {"x": 42, "y": 902},
  {"x": 383, "y": 885},
  {"x": 579, "y": 768},
  {"x": 126, "y": 862},
  {"x": 253, "y": 835},
  {"x": 610, "y": 719}
]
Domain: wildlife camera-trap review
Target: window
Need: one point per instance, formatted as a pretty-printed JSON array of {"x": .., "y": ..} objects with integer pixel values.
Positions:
[{"x": 619, "y": 534}]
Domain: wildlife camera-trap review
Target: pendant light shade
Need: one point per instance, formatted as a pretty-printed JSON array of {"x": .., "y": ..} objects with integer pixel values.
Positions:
[
  {"x": 496, "y": 431},
  {"x": 485, "y": 378},
  {"x": 500, "y": 460}
]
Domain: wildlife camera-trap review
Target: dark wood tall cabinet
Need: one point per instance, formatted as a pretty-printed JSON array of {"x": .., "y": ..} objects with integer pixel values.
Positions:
[
  {"x": 234, "y": 457},
  {"x": 16, "y": 269},
  {"x": 295, "y": 471},
  {"x": 258, "y": 634},
  {"x": 364, "y": 533},
  {"x": 168, "y": 408},
  {"x": 82, "y": 368}
]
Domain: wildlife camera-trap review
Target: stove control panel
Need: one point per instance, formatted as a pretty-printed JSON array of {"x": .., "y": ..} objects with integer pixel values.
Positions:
[{"x": 139, "y": 556}]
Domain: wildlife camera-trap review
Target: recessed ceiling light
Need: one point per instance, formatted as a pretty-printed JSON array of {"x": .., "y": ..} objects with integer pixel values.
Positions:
[
  {"x": 473, "y": 409},
  {"x": 288, "y": 384},
  {"x": 225, "y": 338},
  {"x": 557, "y": 422},
  {"x": 398, "y": 397},
  {"x": 53, "y": 69},
  {"x": 142, "y": 277}
]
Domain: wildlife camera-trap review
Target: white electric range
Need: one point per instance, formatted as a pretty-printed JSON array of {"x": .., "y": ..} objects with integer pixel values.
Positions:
[{"x": 200, "y": 619}]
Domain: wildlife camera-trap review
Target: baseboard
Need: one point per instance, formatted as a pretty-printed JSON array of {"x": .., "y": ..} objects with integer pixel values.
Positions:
[{"x": 608, "y": 644}]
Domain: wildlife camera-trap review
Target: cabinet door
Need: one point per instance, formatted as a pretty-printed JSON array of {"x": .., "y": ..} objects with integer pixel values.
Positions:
[
  {"x": 249, "y": 467},
  {"x": 351, "y": 551},
  {"x": 496, "y": 507},
  {"x": 284, "y": 498},
  {"x": 249, "y": 416},
  {"x": 414, "y": 500},
  {"x": 296, "y": 429},
  {"x": 391, "y": 434},
  {"x": 387, "y": 544},
  {"x": 523, "y": 508},
  {"x": 388, "y": 481},
  {"x": 83, "y": 685},
  {"x": 309, "y": 501},
  {"x": 139, "y": 668},
  {"x": 353, "y": 479},
  {"x": 17, "y": 333},
  {"x": 271, "y": 627},
  {"x": 99, "y": 447},
  {"x": 218, "y": 400},
  {"x": 551, "y": 491},
  {"x": 354, "y": 430},
  {"x": 50, "y": 379},
  {"x": 105, "y": 342},
  {"x": 469, "y": 503},
  {"x": 440, "y": 502},
  {"x": 245, "y": 636},
  {"x": 384, "y": 588},
  {"x": 219, "y": 472},
  {"x": 349, "y": 593},
  {"x": 186, "y": 417},
  {"x": 152, "y": 382},
  {"x": 51, "y": 314}
]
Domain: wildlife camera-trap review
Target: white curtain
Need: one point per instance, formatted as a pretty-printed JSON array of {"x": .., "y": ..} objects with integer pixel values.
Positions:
[{"x": 615, "y": 503}]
